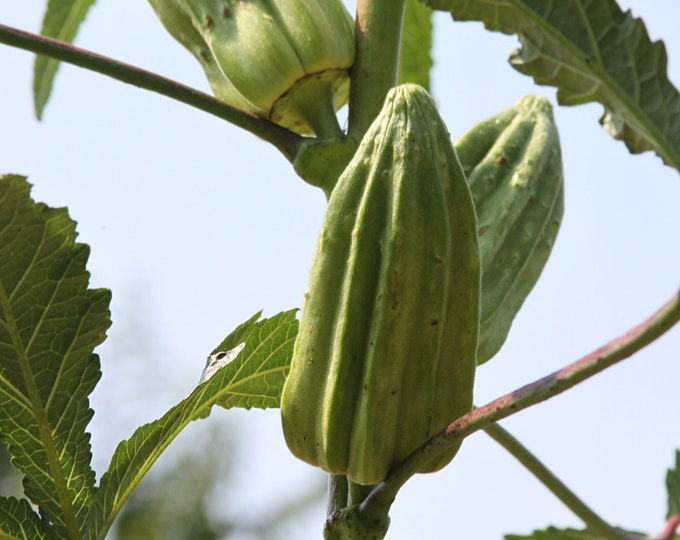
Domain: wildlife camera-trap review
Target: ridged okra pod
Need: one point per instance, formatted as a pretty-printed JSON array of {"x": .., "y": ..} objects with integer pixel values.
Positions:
[
  {"x": 385, "y": 355},
  {"x": 513, "y": 164}
]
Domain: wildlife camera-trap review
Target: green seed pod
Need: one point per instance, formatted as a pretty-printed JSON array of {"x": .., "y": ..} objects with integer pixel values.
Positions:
[
  {"x": 385, "y": 355},
  {"x": 513, "y": 164},
  {"x": 284, "y": 60}
]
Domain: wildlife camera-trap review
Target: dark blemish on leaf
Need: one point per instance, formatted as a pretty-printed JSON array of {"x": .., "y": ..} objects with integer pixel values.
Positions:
[
  {"x": 434, "y": 322},
  {"x": 205, "y": 56},
  {"x": 482, "y": 230},
  {"x": 209, "y": 23},
  {"x": 226, "y": 13}
]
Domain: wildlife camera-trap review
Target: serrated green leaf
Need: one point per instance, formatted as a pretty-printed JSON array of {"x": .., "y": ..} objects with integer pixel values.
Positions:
[
  {"x": 673, "y": 487},
  {"x": 50, "y": 322},
  {"x": 415, "y": 60},
  {"x": 513, "y": 164},
  {"x": 19, "y": 521},
  {"x": 592, "y": 52},
  {"x": 62, "y": 20},
  {"x": 254, "y": 379},
  {"x": 553, "y": 533},
  {"x": 239, "y": 334}
]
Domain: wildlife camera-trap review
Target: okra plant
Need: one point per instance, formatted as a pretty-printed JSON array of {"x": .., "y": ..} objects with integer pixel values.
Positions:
[{"x": 432, "y": 240}]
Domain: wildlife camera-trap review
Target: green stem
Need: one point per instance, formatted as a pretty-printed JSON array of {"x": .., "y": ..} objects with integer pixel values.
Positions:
[
  {"x": 55, "y": 468},
  {"x": 286, "y": 141},
  {"x": 668, "y": 532},
  {"x": 358, "y": 493},
  {"x": 337, "y": 493},
  {"x": 594, "y": 522},
  {"x": 378, "y": 36},
  {"x": 381, "y": 498}
]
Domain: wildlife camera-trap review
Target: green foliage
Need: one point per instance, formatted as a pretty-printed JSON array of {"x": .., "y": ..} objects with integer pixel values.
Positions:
[
  {"x": 151, "y": 515},
  {"x": 673, "y": 487},
  {"x": 19, "y": 520},
  {"x": 415, "y": 60},
  {"x": 62, "y": 20},
  {"x": 552, "y": 533},
  {"x": 591, "y": 51},
  {"x": 50, "y": 322},
  {"x": 254, "y": 379},
  {"x": 238, "y": 335}
]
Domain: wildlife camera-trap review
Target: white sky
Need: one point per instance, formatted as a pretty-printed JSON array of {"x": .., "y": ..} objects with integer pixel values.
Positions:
[{"x": 196, "y": 225}]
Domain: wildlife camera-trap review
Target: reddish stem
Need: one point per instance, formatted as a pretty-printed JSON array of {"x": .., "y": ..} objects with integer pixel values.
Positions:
[
  {"x": 668, "y": 532},
  {"x": 380, "y": 499}
]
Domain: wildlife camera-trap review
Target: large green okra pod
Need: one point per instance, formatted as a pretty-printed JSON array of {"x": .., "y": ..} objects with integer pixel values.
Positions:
[{"x": 385, "y": 355}]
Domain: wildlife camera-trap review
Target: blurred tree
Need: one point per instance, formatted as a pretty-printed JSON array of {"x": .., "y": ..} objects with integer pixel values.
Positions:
[{"x": 190, "y": 498}]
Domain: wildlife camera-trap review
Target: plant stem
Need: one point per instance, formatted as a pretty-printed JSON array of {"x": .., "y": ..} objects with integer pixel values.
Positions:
[
  {"x": 286, "y": 141},
  {"x": 668, "y": 532},
  {"x": 594, "y": 522},
  {"x": 378, "y": 36},
  {"x": 337, "y": 493},
  {"x": 381, "y": 498},
  {"x": 54, "y": 467},
  {"x": 357, "y": 493}
]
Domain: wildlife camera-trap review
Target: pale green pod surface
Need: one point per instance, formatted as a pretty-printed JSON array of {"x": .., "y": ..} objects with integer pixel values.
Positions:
[
  {"x": 385, "y": 355},
  {"x": 514, "y": 168},
  {"x": 285, "y": 60}
]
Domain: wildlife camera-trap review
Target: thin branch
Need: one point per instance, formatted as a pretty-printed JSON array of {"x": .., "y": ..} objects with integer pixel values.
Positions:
[
  {"x": 522, "y": 454},
  {"x": 286, "y": 141},
  {"x": 381, "y": 498}
]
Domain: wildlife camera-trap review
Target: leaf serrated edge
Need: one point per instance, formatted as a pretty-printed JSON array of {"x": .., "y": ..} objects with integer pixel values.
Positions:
[{"x": 104, "y": 511}]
